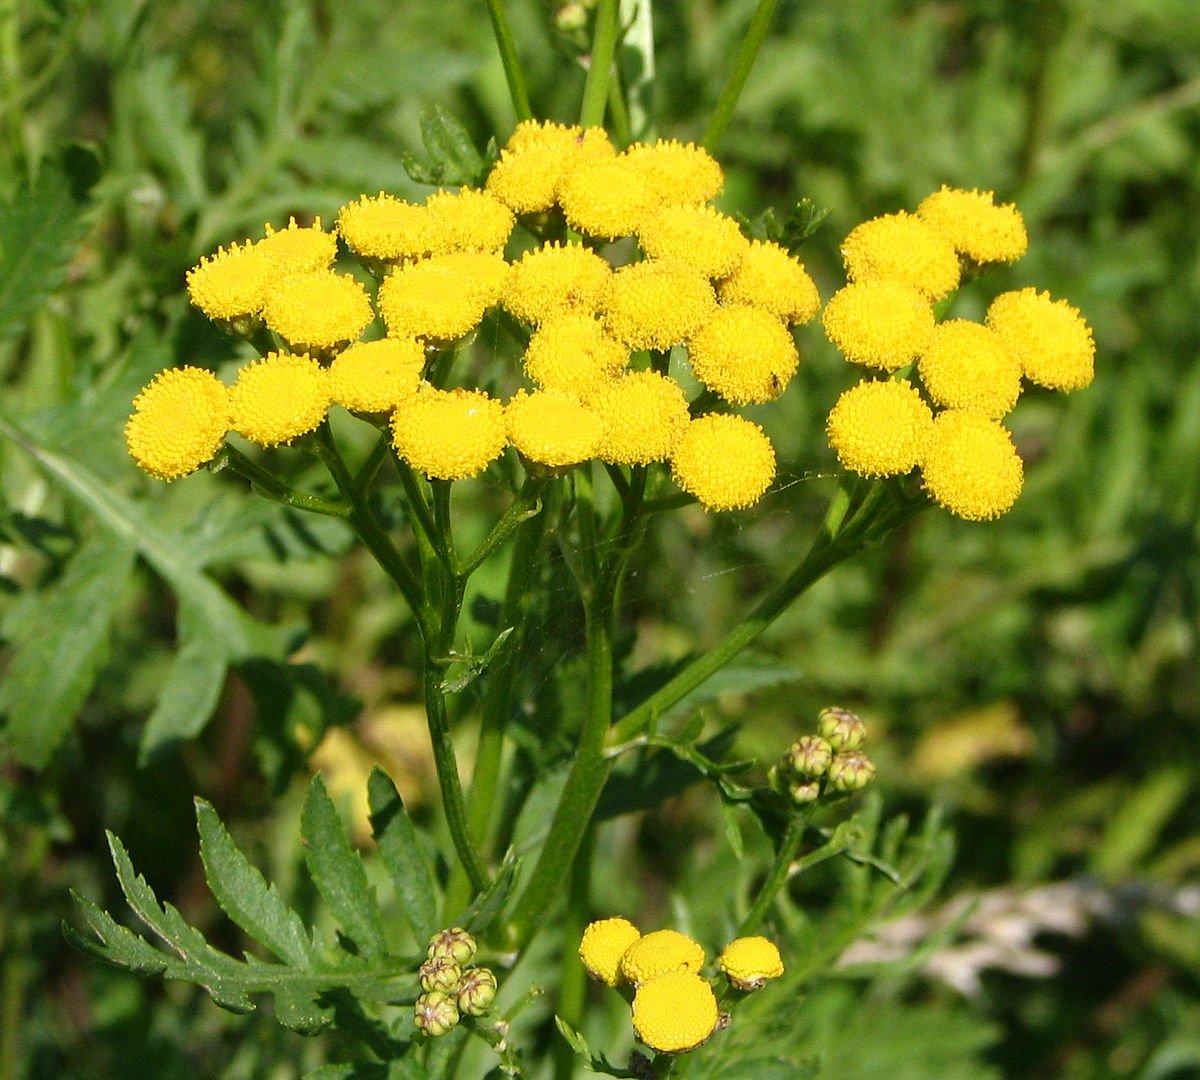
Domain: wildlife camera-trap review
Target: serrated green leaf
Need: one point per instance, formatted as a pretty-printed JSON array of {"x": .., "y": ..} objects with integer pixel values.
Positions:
[
  {"x": 297, "y": 1008},
  {"x": 115, "y": 944},
  {"x": 246, "y": 896},
  {"x": 455, "y": 158},
  {"x": 338, "y": 873},
  {"x": 60, "y": 653},
  {"x": 597, "y": 1063},
  {"x": 402, "y": 855}
]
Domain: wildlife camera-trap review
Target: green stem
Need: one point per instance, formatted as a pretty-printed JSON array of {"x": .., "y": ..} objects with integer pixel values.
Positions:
[
  {"x": 508, "y": 57},
  {"x": 747, "y": 54},
  {"x": 418, "y": 507},
  {"x": 572, "y": 984},
  {"x": 527, "y": 505},
  {"x": 789, "y": 845},
  {"x": 269, "y": 486},
  {"x": 604, "y": 47}
]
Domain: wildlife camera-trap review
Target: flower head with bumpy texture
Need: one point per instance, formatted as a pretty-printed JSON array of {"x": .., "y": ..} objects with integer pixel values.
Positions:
[
  {"x": 674, "y": 1013},
  {"x": 443, "y": 297},
  {"x": 676, "y": 173},
  {"x": 966, "y": 366},
  {"x": 233, "y": 283},
  {"x": 879, "y": 428},
  {"x": 449, "y": 434},
  {"x": 771, "y": 279},
  {"x": 644, "y": 416},
  {"x": 977, "y": 227},
  {"x": 299, "y": 248},
  {"x": 587, "y": 142},
  {"x": 279, "y": 398},
  {"x": 554, "y": 279},
  {"x": 660, "y": 953},
  {"x": 468, "y": 220},
  {"x": 744, "y": 354},
  {"x": 526, "y": 181},
  {"x": 901, "y": 247},
  {"x": 604, "y": 198},
  {"x": 552, "y": 428},
  {"x": 725, "y": 461},
  {"x": 881, "y": 324},
  {"x": 750, "y": 962},
  {"x": 179, "y": 422},
  {"x": 572, "y": 353},
  {"x": 700, "y": 236},
  {"x": 603, "y": 944},
  {"x": 382, "y": 228},
  {"x": 375, "y": 376},
  {"x": 1049, "y": 337},
  {"x": 970, "y": 465},
  {"x": 656, "y": 304},
  {"x": 317, "y": 310}
]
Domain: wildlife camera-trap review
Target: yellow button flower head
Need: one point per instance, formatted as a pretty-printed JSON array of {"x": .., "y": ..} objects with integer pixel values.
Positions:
[
  {"x": 233, "y": 283},
  {"x": 660, "y": 953},
  {"x": 771, "y": 279},
  {"x": 674, "y": 1013},
  {"x": 375, "y": 376},
  {"x": 727, "y": 462},
  {"x": 586, "y": 142},
  {"x": 677, "y": 172},
  {"x": 744, "y": 354},
  {"x": 443, "y": 297},
  {"x": 970, "y": 465},
  {"x": 602, "y": 946},
  {"x": 382, "y": 228},
  {"x": 975, "y": 225},
  {"x": 644, "y": 416},
  {"x": 882, "y": 324},
  {"x": 657, "y": 303},
  {"x": 1050, "y": 338},
  {"x": 572, "y": 353},
  {"x": 901, "y": 247},
  {"x": 552, "y": 428},
  {"x": 468, "y": 220},
  {"x": 317, "y": 309},
  {"x": 449, "y": 434},
  {"x": 279, "y": 398},
  {"x": 297, "y": 248},
  {"x": 526, "y": 181},
  {"x": 604, "y": 197},
  {"x": 179, "y": 422},
  {"x": 750, "y": 962},
  {"x": 555, "y": 279},
  {"x": 966, "y": 366},
  {"x": 700, "y": 236},
  {"x": 879, "y": 428}
]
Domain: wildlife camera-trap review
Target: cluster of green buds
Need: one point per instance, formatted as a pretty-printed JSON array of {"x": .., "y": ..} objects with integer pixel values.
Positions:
[
  {"x": 830, "y": 762},
  {"x": 450, "y": 988}
]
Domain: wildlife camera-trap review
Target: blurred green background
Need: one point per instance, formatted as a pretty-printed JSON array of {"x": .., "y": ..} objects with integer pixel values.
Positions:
[{"x": 1037, "y": 677}]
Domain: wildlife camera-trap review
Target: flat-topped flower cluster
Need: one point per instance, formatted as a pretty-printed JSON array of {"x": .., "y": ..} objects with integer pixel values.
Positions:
[{"x": 601, "y": 320}]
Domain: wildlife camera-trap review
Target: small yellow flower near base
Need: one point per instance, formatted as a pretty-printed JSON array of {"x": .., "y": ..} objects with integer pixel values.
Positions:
[
  {"x": 771, "y": 279},
  {"x": 881, "y": 324},
  {"x": 468, "y": 220},
  {"x": 750, "y": 962},
  {"x": 677, "y": 173},
  {"x": 966, "y": 366},
  {"x": 977, "y": 227},
  {"x": 901, "y": 247},
  {"x": 317, "y": 310},
  {"x": 879, "y": 428},
  {"x": 298, "y": 248},
  {"x": 555, "y": 279},
  {"x": 443, "y": 297},
  {"x": 179, "y": 422},
  {"x": 1049, "y": 337},
  {"x": 700, "y": 236},
  {"x": 233, "y": 283},
  {"x": 644, "y": 416},
  {"x": 449, "y": 434},
  {"x": 657, "y": 303},
  {"x": 604, "y": 198},
  {"x": 971, "y": 467},
  {"x": 727, "y": 462},
  {"x": 660, "y": 953},
  {"x": 375, "y": 376},
  {"x": 603, "y": 944},
  {"x": 675, "y": 1012},
  {"x": 572, "y": 353},
  {"x": 279, "y": 398},
  {"x": 552, "y": 428},
  {"x": 744, "y": 354},
  {"x": 385, "y": 229}
]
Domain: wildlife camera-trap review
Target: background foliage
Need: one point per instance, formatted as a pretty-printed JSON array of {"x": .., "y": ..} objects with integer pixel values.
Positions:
[{"x": 1036, "y": 679}]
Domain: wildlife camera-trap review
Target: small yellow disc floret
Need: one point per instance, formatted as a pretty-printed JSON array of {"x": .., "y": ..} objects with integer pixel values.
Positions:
[
  {"x": 449, "y": 434},
  {"x": 677, "y": 172},
  {"x": 977, "y": 227},
  {"x": 468, "y": 220},
  {"x": 661, "y": 953},
  {"x": 552, "y": 428},
  {"x": 572, "y": 353},
  {"x": 179, "y": 422},
  {"x": 603, "y": 944},
  {"x": 771, "y": 279},
  {"x": 555, "y": 279},
  {"x": 882, "y": 324},
  {"x": 1049, "y": 337},
  {"x": 233, "y": 283},
  {"x": 700, "y": 236},
  {"x": 605, "y": 198},
  {"x": 279, "y": 398},
  {"x": 879, "y": 428},
  {"x": 382, "y": 228},
  {"x": 656, "y": 304},
  {"x": 744, "y": 354},
  {"x": 725, "y": 461},
  {"x": 443, "y": 297},
  {"x": 750, "y": 962},
  {"x": 644, "y": 416},
  {"x": 298, "y": 248},
  {"x": 526, "y": 181},
  {"x": 375, "y": 376},
  {"x": 674, "y": 1013},
  {"x": 966, "y": 366},
  {"x": 970, "y": 465},
  {"x": 901, "y": 247},
  {"x": 318, "y": 309}
]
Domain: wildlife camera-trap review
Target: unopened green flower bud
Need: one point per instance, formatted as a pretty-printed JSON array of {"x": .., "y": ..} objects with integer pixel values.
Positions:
[
  {"x": 851, "y": 771},
  {"x": 435, "y": 1013},
  {"x": 570, "y": 17},
  {"x": 841, "y": 728},
  {"x": 455, "y": 943},
  {"x": 440, "y": 973},
  {"x": 807, "y": 792},
  {"x": 777, "y": 778},
  {"x": 477, "y": 991},
  {"x": 810, "y": 756}
]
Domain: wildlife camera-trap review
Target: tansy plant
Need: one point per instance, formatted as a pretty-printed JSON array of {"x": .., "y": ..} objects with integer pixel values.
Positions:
[{"x": 645, "y": 321}]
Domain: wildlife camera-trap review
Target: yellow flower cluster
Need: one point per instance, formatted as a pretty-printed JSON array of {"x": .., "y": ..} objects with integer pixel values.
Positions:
[
  {"x": 674, "y": 1007},
  {"x": 969, "y": 375}
]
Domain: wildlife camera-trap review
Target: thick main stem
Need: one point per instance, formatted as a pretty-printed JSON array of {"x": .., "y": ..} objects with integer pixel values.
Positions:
[
  {"x": 747, "y": 54},
  {"x": 789, "y": 845},
  {"x": 604, "y": 47},
  {"x": 508, "y": 57}
]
